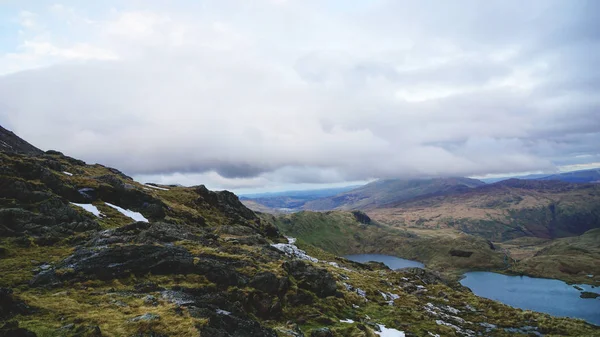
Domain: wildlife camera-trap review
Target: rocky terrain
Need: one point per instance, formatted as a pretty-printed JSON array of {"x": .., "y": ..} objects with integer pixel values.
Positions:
[{"x": 87, "y": 251}]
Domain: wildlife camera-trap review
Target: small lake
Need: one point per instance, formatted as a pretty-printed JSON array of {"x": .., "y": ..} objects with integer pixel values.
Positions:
[
  {"x": 390, "y": 261},
  {"x": 538, "y": 294}
]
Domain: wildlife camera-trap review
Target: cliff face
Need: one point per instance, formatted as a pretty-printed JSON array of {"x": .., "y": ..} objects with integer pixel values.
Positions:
[{"x": 87, "y": 251}]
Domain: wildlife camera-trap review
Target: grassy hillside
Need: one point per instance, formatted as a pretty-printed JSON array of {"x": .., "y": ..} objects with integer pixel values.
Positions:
[
  {"x": 383, "y": 192},
  {"x": 504, "y": 210},
  {"x": 574, "y": 259},
  {"x": 341, "y": 233}
]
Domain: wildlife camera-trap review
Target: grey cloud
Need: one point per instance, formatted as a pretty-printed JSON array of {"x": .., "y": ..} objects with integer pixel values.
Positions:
[{"x": 407, "y": 88}]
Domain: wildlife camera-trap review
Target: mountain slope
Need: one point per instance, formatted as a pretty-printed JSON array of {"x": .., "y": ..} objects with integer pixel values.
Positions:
[
  {"x": 383, "y": 192},
  {"x": 87, "y": 251},
  {"x": 504, "y": 210},
  {"x": 10, "y": 142},
  {"x": 582, "y": 176}
]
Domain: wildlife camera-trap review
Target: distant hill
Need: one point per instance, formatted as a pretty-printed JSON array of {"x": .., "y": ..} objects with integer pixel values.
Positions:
[
  {"x": 581, "y": 176},
  {"x": 10, "y": 142},
  {"x": 505, "y": 210},
  {"x": 383, "y": 192},
  {"x": 288, "y": 201}
]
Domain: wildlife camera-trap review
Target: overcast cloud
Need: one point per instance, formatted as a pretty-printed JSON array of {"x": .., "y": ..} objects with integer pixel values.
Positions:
[{"x": 251, "y": 95}]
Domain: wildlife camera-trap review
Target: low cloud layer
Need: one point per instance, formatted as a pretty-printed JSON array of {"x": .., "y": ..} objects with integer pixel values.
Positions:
[{"x": 249, "y": 95}]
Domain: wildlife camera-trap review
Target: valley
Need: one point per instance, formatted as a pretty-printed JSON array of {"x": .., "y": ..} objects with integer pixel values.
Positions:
[{"x": 86, "y": 250}]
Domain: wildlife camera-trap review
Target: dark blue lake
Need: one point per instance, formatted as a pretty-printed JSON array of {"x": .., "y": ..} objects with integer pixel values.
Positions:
[
  {"x": 538, "y": 294},
  {"x": 390, "y": 261}
]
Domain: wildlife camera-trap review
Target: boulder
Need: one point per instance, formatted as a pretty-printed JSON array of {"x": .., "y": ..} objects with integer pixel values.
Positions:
[{"x": 317, "y": 280}]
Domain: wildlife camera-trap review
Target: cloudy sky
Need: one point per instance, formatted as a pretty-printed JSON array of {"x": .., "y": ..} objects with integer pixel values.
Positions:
[{"x": 274, "y": 94}]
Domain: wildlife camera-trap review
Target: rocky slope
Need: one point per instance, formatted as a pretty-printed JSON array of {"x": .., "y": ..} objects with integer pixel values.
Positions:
[
  {"x": 384, "y": 192},
  {"x": 74, "y": 262}
]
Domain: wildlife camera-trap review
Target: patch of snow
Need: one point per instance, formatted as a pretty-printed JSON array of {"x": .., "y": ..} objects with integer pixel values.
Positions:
[
  {"x": 5, "y": 145},
  {"x": 361, "y": 292},
  {"x": 291, "y": 250},
  {"x": 68, "y": 173},
  {"x": 385, "y": 332},
  {"x": 90, "y": 208},
  {"x": 156, "y": 187},
  {"x": 590, "y": 275},
  {"x": 433, "y": 334},
  {"x": 223, "y": 312},
  {"x": 130, "y": 214},
  {"x": 347, "y": 320},
  {"x": 389, "y": 297},
  {"x": 355, "y": 306},
  {"x": 291, "y": 241}
]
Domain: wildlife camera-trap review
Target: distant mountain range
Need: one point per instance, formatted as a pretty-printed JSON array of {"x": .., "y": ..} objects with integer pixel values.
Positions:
[
  {"x": 385, "y": 193},
  {"x": 287, "y": 201},
  {"x": 581, "y": 176}
]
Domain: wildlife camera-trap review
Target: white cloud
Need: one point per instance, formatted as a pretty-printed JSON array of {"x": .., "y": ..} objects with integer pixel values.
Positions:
[{"x": 249, "y": 94}]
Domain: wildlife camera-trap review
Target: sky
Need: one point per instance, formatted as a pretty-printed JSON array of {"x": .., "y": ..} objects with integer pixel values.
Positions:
[{"x": 268, "y": 95}]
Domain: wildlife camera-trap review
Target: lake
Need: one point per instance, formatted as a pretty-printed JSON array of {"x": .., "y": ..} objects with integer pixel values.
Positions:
[
  {"x": 538, "y": 294},
  {"x": 390, "y": 261}
]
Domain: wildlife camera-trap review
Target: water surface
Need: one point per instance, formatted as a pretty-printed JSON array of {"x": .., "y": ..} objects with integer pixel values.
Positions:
[
  {"x": 390, "y": 261},
  {"x": 538, "y": 294}
]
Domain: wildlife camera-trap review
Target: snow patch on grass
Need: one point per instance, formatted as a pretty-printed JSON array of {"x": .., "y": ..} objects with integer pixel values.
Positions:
[
  {"x": 68, "y": 173},
  {"x": 130, "y": 214},
  {"x": 156, "y": 187},
  {"x": 90, "y": 208},
  {"x": 385, "y": 332}
]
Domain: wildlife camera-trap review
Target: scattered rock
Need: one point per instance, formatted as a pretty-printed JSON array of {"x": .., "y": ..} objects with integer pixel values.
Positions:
[
  {"x": 588, "y": 294},
  {"x": 145, "y": 317},
  {"x": 322, "y": 332}
]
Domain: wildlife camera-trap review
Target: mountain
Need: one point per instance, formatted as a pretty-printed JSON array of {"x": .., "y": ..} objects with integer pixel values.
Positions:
[
  {"x": 383, "y": 192},
  {"x": 287, "y": 201},
  {"x": 504, "y": 210},
  {"x": 87, "y": 251},
  {"x": 9, "y": 142},
  {"x": 581, "y": 176}
]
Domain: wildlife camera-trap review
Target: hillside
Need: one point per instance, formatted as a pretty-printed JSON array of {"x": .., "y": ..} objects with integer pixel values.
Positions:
[
  {"x": 382, "y": 192},
  {"x": 287, "y": 201},
  {"x": 87, "y": 251},
  {"x": 346, "y": 233},
  {"x": 573, "y": 259},
  {"x": 504, "y": 210},
  {"x": 582, "y": 176},
  {"x": 10, "y": 142}
]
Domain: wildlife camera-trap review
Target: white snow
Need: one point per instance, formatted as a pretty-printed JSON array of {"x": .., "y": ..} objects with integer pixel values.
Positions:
[
  {"x": 156, "y": 187},
  {"x": 385, "y": 332},
  {"x": 68, "y": 173},
  {"x": 347, "y": 320},
  {"x": 131, "y": 214},
  {"x": 89, "y": 207},
  {"x": 291, "y": 250},
  {"x": 223, "y": 312}
]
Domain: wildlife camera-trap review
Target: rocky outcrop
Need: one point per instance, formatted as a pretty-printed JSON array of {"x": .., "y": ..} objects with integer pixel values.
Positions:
[
  {"x": 10, "y": 142},
  {"x": 316, "y": 280},
  {"x": 10, "y": 305}
]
